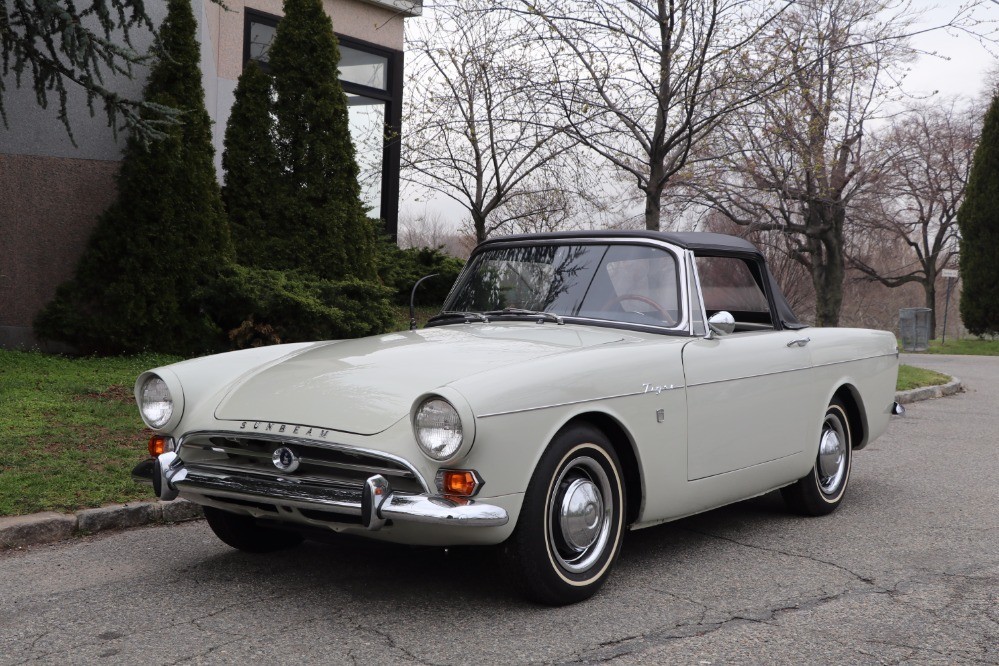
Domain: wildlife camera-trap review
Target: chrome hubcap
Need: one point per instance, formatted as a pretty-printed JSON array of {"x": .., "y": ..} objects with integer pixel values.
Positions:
[
  {"x": 831, "y": 464},
  {"x": 580, "y": 512}
]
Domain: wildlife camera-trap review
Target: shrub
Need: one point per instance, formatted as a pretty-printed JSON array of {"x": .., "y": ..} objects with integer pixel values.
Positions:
[
  {"x": 400, "y": 269},
  {"x": 252, "y": 192},
  {"x": 166, "y": 235},
  {"x": 978, "y": 220},
  {"x": 257, "y": 306},
  {"x": 325, "y": 228}
]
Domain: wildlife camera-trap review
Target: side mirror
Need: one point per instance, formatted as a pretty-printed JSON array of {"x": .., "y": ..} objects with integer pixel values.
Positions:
[{"x": 721, "y": 322}]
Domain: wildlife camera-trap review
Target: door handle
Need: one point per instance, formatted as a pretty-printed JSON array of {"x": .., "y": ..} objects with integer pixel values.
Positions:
[{"x": 801, "y": 342}]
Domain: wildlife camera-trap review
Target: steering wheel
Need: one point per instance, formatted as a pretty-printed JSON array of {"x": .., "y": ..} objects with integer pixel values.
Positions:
[{"x": 667, "y": 317}]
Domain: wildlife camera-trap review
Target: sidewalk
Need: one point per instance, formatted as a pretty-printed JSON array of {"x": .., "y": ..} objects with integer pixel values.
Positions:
[{"x": 49, "y": 526}]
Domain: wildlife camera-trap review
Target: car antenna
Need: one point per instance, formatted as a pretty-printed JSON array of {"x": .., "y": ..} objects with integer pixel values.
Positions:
[{"x": 412, "y": 300}]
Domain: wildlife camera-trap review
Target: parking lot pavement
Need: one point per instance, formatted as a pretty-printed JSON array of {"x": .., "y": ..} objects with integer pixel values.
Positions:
[{"x": 906, "y": 570}]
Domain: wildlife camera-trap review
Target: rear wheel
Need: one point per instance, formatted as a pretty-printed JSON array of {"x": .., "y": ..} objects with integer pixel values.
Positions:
[
  {"x": 822, "y": 490},
  {"x": 243, "y": 533},
  {"x": 570, "y": 527}
]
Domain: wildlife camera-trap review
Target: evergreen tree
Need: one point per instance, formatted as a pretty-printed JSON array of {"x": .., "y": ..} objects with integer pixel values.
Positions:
[
  {"x": 252, "y": 192},
  {"x": 978, "y": 219},
  {"x": 326, "y": 229},
  {"x": 158, "y": 247}
]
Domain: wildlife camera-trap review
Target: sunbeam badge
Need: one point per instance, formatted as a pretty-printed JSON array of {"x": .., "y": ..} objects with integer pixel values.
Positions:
[{"x": 285, "y": 459}]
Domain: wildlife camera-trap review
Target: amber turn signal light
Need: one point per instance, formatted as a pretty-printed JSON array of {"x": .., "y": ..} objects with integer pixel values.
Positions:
[
  {"x": 459, "y": 482},
  {"x": 158, "y": 444}
]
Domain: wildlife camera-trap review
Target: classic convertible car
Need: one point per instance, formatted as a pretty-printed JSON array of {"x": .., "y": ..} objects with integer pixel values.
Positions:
[{"x": 575, "y": 385}]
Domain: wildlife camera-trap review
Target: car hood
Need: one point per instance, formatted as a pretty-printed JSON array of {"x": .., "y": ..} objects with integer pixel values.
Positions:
[{"x": 363, "y": 386}]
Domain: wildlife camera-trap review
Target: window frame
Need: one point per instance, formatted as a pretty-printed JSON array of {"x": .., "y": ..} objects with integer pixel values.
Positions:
[
  {"x": 391, "y": 96},
  {"x": 680, "y": 328}
]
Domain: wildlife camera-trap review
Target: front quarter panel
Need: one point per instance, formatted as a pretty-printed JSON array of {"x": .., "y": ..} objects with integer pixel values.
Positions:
[{"x": 519, "y": 411}]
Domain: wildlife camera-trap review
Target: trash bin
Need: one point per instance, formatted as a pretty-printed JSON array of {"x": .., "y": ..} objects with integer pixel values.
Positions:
[{"x": 914, "y": 328}]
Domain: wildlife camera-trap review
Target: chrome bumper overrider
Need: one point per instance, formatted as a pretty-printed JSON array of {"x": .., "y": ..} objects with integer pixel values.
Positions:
[{"x": 375, "y": 502}]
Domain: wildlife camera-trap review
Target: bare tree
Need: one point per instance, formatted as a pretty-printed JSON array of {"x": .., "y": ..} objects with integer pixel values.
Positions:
[
  {"x": 797, "y": 160},
  {"x": 915, "y": 205},
  {"x": 430, "y": 229},
  {"x": 640, "y": 82},
  {"x": 479, "y": 127}
]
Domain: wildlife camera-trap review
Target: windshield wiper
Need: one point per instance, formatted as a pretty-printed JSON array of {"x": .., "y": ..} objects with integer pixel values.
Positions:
[
  {"x": 468, "y": 317},
  {"x": 521, "y": 312}
]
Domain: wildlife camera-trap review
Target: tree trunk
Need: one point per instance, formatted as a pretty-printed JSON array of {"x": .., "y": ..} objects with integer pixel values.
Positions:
[
  {"x": 828, "y": 267},
  {"x": 479, "y": 222},
  {"x": 653, "y": 210},
  {"x": 930, "y": 289},
  {"x": 654, "y": 195}
]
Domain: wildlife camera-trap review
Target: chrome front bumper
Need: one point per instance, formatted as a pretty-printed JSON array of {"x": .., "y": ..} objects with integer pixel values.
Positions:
[{"x": 375, "y": 502}]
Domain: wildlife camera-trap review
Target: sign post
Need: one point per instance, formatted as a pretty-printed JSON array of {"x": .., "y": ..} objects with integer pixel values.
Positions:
[{"x": 951, "y": 275}]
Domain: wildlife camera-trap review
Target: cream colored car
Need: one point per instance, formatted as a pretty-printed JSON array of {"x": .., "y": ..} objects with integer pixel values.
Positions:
[{"x": 575, "y": 385}]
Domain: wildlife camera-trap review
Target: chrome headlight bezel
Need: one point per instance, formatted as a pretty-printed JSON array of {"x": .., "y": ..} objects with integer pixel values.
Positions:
[
  {"x": 159, "y": 383},
  {"x": 462, "y": 411}
]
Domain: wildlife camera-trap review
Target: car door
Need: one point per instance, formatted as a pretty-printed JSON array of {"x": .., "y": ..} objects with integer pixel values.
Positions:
[
  {"x": 747, "y": 391},
  {"x": 746, "y": 400}
]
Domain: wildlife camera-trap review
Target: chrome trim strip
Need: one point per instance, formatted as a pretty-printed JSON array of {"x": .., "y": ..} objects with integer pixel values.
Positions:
[
  {"x": 403, "y": 507},
  {"x": 673, "y": 388},
  {"x": 572, "y": 402},
  {"x": 271, "y": 475},
  {"x": 696, "y": 284},
  {"x": 852, "y": 360},
  {"x": 239, "y": 434},
  {"x": 305, "y": 460},
  {"x": 271, "y": 492},
  {"x": 440, "y": 510},
  {"x": 682, "y": 325},
  {"x": 781, "y": 372}
]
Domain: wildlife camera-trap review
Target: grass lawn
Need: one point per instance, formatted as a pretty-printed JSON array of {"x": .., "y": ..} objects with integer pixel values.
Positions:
[
  {"x": 967, "y": 347},
  {"x": 70, "y": 432},
  {"x": 910, "y": 378}
]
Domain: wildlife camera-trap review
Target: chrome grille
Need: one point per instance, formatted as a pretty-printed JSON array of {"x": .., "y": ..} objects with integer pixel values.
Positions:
[{"x": 325, "y": 465}]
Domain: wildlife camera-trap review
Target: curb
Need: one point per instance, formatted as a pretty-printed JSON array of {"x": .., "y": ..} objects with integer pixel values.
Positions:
[
  {"x": 49, "y": 526},
  {"x": 929, "y": 392}
]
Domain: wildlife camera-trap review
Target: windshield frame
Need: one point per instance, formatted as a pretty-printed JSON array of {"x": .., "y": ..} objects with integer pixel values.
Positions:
[{"x": 679, "y": 255}]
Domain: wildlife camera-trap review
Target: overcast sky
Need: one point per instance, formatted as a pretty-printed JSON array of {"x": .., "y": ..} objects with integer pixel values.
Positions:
[
  {"x": 963, "y": 71},
  {"x": 959, "y": 68}
]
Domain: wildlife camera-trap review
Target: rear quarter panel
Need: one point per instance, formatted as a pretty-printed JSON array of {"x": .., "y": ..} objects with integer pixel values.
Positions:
[{"x": 864, "y": 360}]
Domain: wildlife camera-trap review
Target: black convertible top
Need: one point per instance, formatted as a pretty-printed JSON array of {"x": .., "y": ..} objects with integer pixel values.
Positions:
[{"x": 699, "y": 242}]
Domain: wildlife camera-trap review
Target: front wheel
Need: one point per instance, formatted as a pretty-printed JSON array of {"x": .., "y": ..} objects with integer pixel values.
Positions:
[
  {"x": 570, "y": 527},
  {"x": 243, "y": 533},
  {"x": 822, "y": 490}
]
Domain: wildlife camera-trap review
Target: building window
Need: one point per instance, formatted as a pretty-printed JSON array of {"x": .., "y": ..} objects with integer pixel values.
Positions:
[
  {"x": 371, "y": 76},
  {"x": 258, "y": 35}
]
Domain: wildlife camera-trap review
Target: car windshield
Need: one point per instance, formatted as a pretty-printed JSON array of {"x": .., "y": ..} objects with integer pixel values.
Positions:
[{"x": 635, "y": 284}]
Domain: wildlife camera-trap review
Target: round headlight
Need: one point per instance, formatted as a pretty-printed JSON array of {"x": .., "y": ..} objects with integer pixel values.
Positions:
[
  {"x": 156, "y": 404},
  {"x": 438, "y": 428}
]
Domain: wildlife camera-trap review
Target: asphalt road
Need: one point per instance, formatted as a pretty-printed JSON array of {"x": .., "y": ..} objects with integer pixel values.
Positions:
[{"x": 906, "y": 571}]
